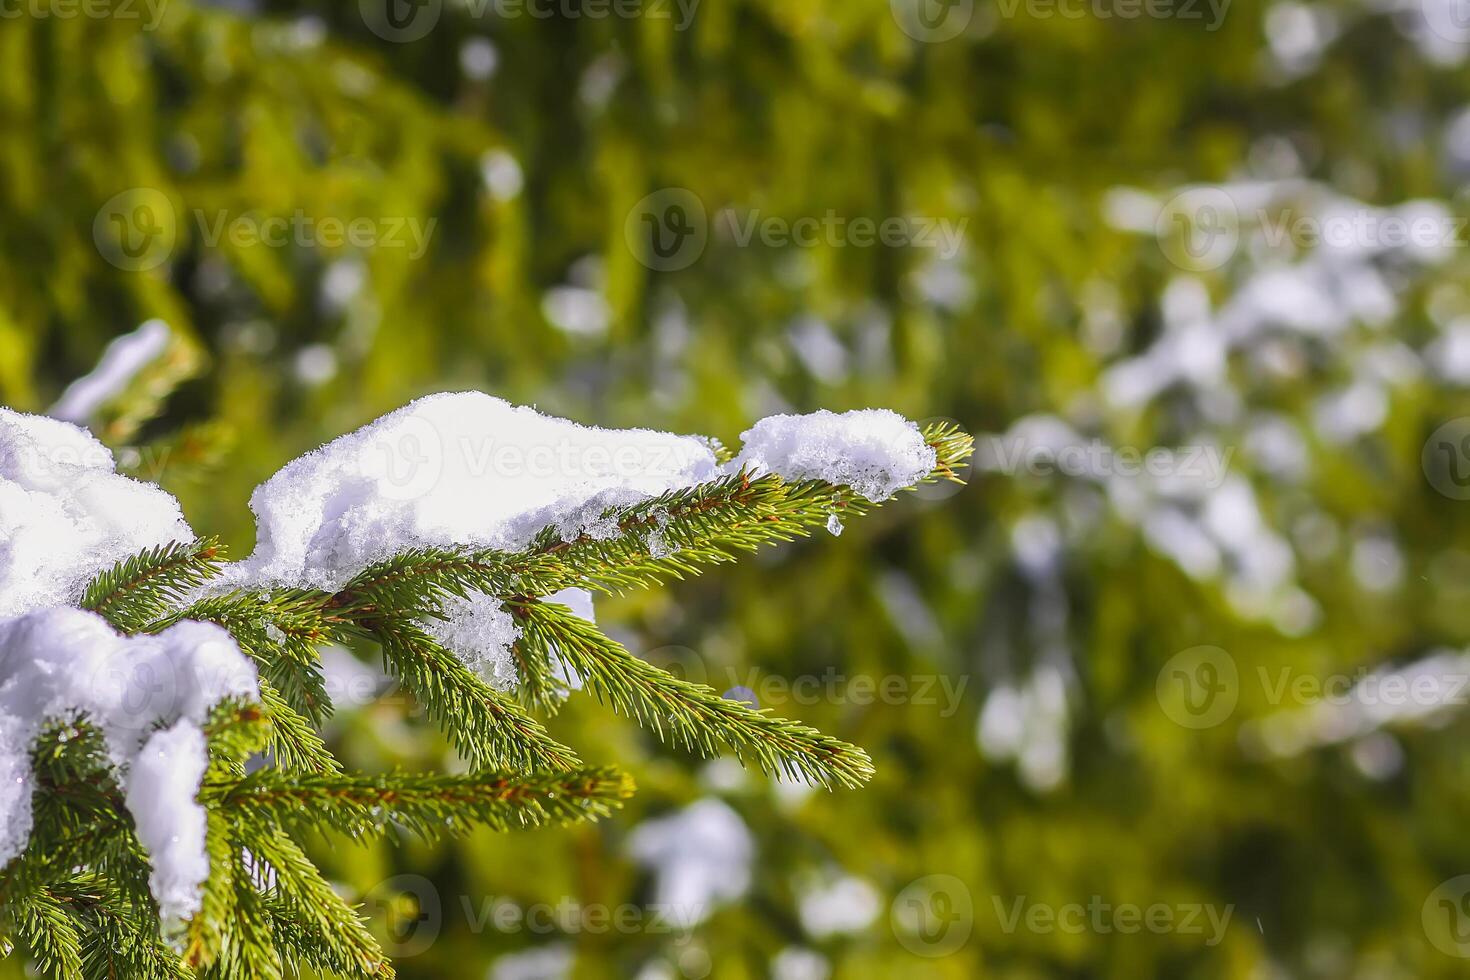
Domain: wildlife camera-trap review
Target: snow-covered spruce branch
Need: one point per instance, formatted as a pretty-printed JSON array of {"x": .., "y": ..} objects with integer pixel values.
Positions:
[{"x": 462, "y": 538}]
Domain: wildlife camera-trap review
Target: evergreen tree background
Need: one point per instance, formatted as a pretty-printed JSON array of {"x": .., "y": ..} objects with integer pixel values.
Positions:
[{"x": 1021, "y": 126}]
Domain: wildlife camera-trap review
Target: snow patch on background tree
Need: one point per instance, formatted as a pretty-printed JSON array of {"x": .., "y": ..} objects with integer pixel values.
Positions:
[{"x": 700, "y": 856}]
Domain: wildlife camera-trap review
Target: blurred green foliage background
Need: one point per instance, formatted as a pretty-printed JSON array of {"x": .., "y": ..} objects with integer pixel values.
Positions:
[{"x": 1053, "y": 603}]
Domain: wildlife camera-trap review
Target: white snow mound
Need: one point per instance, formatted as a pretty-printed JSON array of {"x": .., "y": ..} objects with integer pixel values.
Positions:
[
  {"x": 463, "y": 469},
  {"x": 874, "y": 451},
  {"x": 65, "y": 513},
  {"x": 481, "y": 633},
  {"x": 63, "y": 664}
]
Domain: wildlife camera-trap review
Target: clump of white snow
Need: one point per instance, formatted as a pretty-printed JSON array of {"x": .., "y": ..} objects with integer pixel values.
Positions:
[
  {"x": 874, "y": 451},
  {"x": 700, "y": 856},
  {"x": 161, "y": 787},
  {"x": 462, "y": 469},
  {"x": 65, "y": 513},
  {"x": 478, "y": 630},
  {"x": 63, "y": 664},
  {"x": 550, "y": 962},
  {"x": 468, "y": 469},
  {"x": 579, "y": 601},
  {"x": 800, "y": 963}
]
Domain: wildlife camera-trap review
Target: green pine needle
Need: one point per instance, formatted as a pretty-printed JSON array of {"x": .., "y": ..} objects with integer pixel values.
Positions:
[
  {"x": 429, "y": 806},
  {"x": 139, "y": 589},
  {"x": 691, "y": 715}
]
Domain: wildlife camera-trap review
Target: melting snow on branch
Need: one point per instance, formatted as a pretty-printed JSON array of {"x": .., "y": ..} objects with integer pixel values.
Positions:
[
  {"x": 450, "y": 470},
  {"x": 875, "y": 452},
  {"x": 61, "y": 664}
]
